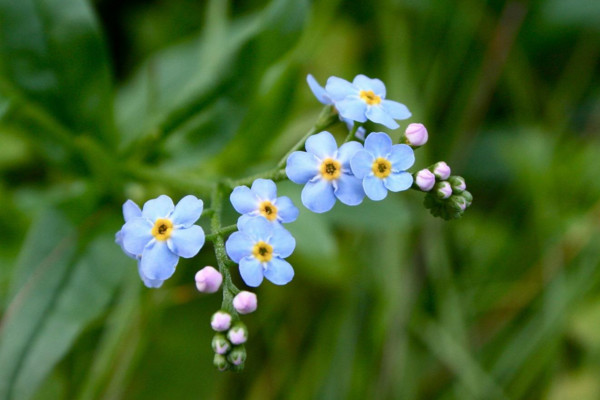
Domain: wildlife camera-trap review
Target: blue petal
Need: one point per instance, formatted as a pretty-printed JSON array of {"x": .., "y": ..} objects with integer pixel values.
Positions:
[
  {"x": 349, "y": 190},
  {"x": 362, "y": 164},
  {"x": 151, "y": 283},
  {"x": 257, "y": 228},
  {"x": 374, "y": 188},
  {"x": 365, "y": 83},
  {"x": 352, "y": 108},
  {"x": 377, "y": 114},
  {"x": 187, "y": 211},
  {"x": 347, "y": 151},
  {"x": 402, "y": 157},
  {"x": 339, "y": 88},
  {"x": 265, "y": 189},
  {"x": 160, "y": 207},
  {"x": 251, "y": 271},
  {"x": 397, "y": 182},
  {"x": 322, "y": 145},
  {"x": 279, "y": 271},
  {"x": 119, "y": 241},
  {"x": 186, "y": 242},
  {"x": 158, "y": 262},
  {"x": 318, "y": 90},
  {"x": 318, "y": 196},
  {"x": 137, "y": 233},
  {"x": 379, "y": 144},
  {"x": 238, "y": 246},
  {"x": 131, "y": 210},
  {"x": 283, "y": 242},
  {"x": 243, "y": 200},
  {"x": 302, "y": 167},
  {"x": 395, "y": 110},
  {"x": 286, "y": 210}
]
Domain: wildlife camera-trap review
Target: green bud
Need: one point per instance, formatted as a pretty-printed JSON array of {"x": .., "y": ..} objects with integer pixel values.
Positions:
[
  {"x": 468, "y": 197},
  {"x": 220, "y": 344},
  {"x": 457, "y": 203},
  {"x": 220, "y": 362},
  {"x": 237, "y": 356},
  {"x": 458, "y": 184}
]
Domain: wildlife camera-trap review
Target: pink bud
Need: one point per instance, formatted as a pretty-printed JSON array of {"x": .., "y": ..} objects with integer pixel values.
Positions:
[
  {"x": 238, "y": 334},
  {"x": 245, "y": 302},
  {"x": 208, "y": 280},
  {"x": 444, "y": 190},
  {"x": 441, "y": 170},
  {"x": 425, "y": 180},
  {"x": 416, "y": 134},
  {"x": 220, "y": 321}
]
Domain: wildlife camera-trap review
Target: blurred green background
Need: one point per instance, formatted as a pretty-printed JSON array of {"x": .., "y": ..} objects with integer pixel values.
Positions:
[{"x": 110, "y": 100}]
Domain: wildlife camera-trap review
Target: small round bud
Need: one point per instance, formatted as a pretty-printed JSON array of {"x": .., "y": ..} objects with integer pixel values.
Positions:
[
  {"x": 468, "y": 197},
  {"x": 220, "y": 344},
  {"x": 238, "y": 334},
  {"x": 441, "y": 170},
  {"x": 220, "y": 321},
  {"x": 208, "y": 280},
  {"x": 237, "y": 356},
  {"x": 458, "y": 184},
  {"x": 443, "y": 190},
  {"x": 416, "y": 135},
  {"x": 220, "y": 361},
  {"x": 457, "y": 202},
  {"x": 245, "y": 302},
  {"x": 425, "y": 179}
]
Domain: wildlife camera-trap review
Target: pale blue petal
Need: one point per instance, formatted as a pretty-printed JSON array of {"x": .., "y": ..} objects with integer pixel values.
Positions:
[
  {"x": 150, "y": 283},
  {"x": 279, "y": 271},
  {"x": 352, "y": 108},
  {"x": 374, "y": 188},
  {"x": 160, "y": 207},
  {"x": 349, "y": 190},
  {"x": 251, "y": 271},
  {"x": 397, "y": 182},
  {"x": 238, "y": 246},
  {"x": 339, "y": 88},
  {"x": 395, "y": 110},
  {"x": 286, "y": 210},
  {"x": 347, "y": 151},
  {"x": 187, "y": 211},
  {"x": 131, "y": 210},
  {"x": 365, "y": 83},
  {"x": 377, "y": 114},
  {"x": 379, "y": 144},
  {"x": 322, "y": 145},
  {"x": 186, "y": 242},
  {"x": 318, "y": 196},
  {"x": 302, "y": 167},
  {"x": 265, "y": 189},
  {"x": 283, "y": 242},
  {"x": 257, "y": 228},
  {"x": 318, "y": 90},
  {"x": 243, "y": 200},
  {"x": 158, "y": 262},
  {"x": 119, "y": 241},
  {"x": 402, "y": 157},
  {"x": 137, "y": 233},
  {"x": 362, "y": 164}
]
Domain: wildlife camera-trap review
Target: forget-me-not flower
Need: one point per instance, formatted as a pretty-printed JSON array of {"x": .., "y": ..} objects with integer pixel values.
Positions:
[
  {"x": 262, "y": 199},
  {"x": 381, "y": 166},
  {"x": 259, "y": 247},
  {"x": 364, "y": 99},
  {"x": 325, "y": 170},
  {"x": 163, "y": 233}
]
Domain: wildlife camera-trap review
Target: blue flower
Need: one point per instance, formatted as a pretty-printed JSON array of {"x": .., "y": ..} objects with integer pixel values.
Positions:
[
  {"x": 382, "y": 166},
  {"x": 326, "y": 172},
  {"x": 262, "y": 199},
  {"x": 259, "y": 247},
  {"x": 161, "y": 234},
  {"x": 364, "y": 99}
]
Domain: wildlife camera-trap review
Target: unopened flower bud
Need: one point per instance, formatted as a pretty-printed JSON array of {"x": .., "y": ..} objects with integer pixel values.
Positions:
[
  {"x": 443, "y": 190},
  {"x": 425, "y": 179},
  {"x": 458, "y": 184},
  {"x": 237, "y": 356},
  {"x": 416, "y": 135},
  {"x": 220, "y": 321},
  {"x": 220, "y": 361},
  {"x": 468, "y": 197},
  {"x": 220, "y": 344},
  {"x": 441, "y": 170},
  {"x": 457, "y": 202},
  {"x": 208, "y": 280},
  {"x": 245, "y": 302},
  {"x": 238, "y": 333}
]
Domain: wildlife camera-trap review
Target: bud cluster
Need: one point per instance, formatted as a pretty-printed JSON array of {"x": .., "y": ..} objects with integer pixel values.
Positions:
[{"x": 228, "y": 342}]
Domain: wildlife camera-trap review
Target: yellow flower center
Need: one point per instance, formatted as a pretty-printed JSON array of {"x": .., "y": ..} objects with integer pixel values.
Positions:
[
  {"x": 162, "y": 230},
  {"x": 369, "y": 97},
  {"x": 381, "y": 167},
  {"x": 268, "y": 210},
  {"x": 262, "y": 251},
  {"x": 331, "y": 169}
]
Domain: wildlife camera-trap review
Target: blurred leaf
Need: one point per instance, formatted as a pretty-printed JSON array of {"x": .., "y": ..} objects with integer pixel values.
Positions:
[{"x": 579, "y": 13}]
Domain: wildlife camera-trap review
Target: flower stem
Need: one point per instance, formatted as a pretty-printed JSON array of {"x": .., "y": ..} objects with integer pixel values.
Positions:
[{"x": 222, "y": 232}]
